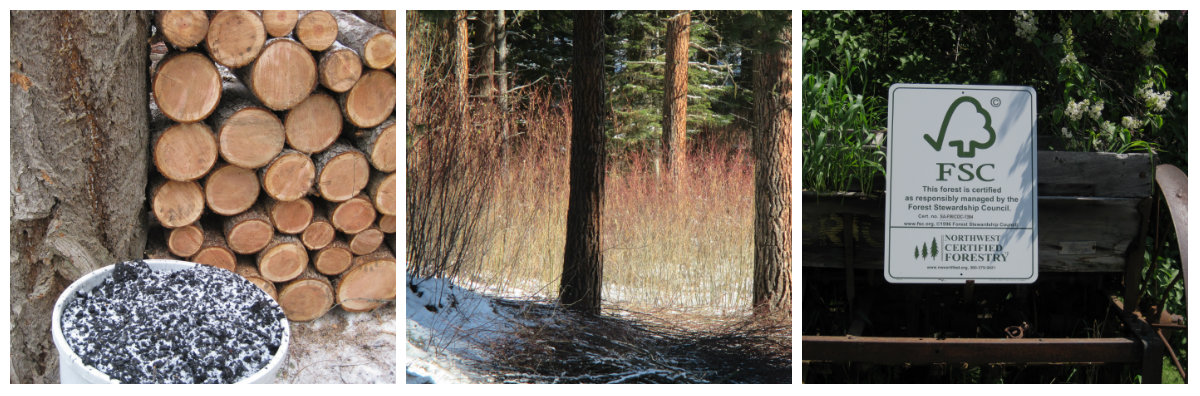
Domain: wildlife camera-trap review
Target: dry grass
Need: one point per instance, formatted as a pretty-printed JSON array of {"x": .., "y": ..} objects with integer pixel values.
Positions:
[{"x": 687, "y": 247}]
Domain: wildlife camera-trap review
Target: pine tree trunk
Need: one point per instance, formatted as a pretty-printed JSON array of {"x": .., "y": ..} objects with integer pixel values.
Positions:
[
  {"x": 675, "y": 93},
  {"x": 583, "y": 259},
  {"x": 460, "y": 57},
  {"x": 772, "y": 175},
  {"x": 487, "y": 57},
  {"x": 414, "y": 69},
  {"x": 502, "y": 66}
]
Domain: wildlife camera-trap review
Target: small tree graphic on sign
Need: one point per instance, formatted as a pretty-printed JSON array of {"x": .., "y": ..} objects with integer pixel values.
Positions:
[
  {"x": 964, "y": 123},
  {"x": 933, "y": 250},
  {"x": 924, "y": 250}
]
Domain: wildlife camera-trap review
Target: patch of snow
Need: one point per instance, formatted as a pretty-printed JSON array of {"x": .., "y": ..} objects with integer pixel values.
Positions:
[{"x": 445, "y": 326}]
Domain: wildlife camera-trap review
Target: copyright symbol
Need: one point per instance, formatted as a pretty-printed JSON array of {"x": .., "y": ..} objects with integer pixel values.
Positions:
[{"x": 995, "y": 102}]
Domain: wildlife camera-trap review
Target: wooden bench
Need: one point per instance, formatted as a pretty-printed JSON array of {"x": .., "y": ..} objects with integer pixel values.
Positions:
[{"x": 1094, "y": 213}]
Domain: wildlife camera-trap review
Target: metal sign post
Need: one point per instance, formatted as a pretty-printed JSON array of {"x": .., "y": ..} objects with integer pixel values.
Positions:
[{"x": 961, "y": 184}]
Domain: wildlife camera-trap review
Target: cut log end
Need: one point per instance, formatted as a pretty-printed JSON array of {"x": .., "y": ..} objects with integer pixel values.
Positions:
[
  {"x": 279, "y": 23},
  {"x": 340, "y": 69},
  {"x": 251, "y": 137},
  {"x": 314, "y": 124},
  {"x": 380, "y": 51},
  {"x": 187, "y": 87},
  {"x": 283, "y": 75},
  {"x": 215, "y": 252},
  {"x": 283, "y": 259},
  {"x": 369, "y": 283},
  {"x": 353, "y": 215},
  {"x": 342, "y": 172},
  {"x": 317, "y": 30},
  {"x": 366, "y": 241},
  {"x": 382, "y": 190},
  {"x": 379, "y": 144},
  {"x": 185, "y": 152},
  {"x": 334, "y": 258},
  {"x": 289, "y": 177},
  {"x": 290, "y": 217},
  {"x": 235, "y": 38},
  {"x": 250, "y": 236},
  {"x": 387, "y": 224},
  {"x": 185, "y": 241},
  {"x": 317, "y": 235},
  {"x": 231, "y": 189},
  {"x": 215, "y": 256},
  {"x": 183, "y": 28},
  {"x": 177, "y": 204},
  {"x": 372, "y": 99},
  {"x": 308, "y": 297}
]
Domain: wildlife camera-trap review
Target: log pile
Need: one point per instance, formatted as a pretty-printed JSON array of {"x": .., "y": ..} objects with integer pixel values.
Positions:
[{"x": 274, "y": 151}]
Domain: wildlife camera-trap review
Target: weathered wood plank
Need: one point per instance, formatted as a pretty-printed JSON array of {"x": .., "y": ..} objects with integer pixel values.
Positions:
[
  {"x": 1076, "y": 234},
  {"x": 1069, "y": 173},
  {"x": 1080, "y": 174}
]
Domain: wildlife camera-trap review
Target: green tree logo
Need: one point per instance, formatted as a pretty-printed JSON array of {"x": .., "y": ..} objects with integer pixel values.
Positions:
[
  {"x": 965, "y": 149},
  {"x": 933, "y": 251}
]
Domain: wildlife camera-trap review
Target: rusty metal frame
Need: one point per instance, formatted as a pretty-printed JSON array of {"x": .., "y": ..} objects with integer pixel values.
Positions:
[
  {"x": 919, "y": 351},
  {"x": 1144, "y": 346}
]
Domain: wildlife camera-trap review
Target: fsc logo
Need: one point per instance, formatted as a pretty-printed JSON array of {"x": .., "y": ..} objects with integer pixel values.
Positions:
[{"x": 961, "y": 184}]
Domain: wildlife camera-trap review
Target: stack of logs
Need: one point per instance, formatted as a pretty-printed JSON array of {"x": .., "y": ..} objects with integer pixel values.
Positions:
[{"x": 274, "y": 141}]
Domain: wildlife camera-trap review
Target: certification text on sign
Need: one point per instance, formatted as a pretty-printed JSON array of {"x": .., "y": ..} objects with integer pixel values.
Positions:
[{"x": 961, "y": 184}]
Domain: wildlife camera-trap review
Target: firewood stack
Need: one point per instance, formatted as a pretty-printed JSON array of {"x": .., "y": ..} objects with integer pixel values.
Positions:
[{"x": 274, "y": 149}]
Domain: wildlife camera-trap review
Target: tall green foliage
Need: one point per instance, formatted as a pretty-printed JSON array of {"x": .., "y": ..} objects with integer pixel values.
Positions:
[{"x": 1106, "y": 80}]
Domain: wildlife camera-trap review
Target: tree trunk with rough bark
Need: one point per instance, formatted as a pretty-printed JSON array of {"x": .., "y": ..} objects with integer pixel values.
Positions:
[
  {"x": 460, "y": 65},
  {"x": 675, "y": 85},
  {"x": 487, "y": 57},
  {"x": 502, "y": 66},
  {"x": 772, "y": 175},
  {"x": 80, "y": 140},
  {"x": 583, "y": 259}
]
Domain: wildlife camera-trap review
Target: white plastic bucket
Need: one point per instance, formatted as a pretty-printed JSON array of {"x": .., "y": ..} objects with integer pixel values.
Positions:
[{"x": 72, "y": 370}]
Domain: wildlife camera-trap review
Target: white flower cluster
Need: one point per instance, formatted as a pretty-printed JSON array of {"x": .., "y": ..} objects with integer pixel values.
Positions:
[
  {"x": 1154, "y": 100},
  {"x": 1066, "y": 133},
  {"x": 1155, "y": 18},
  {"x": 1108, "y": 129},
  {"x": 1094, "y": 112},
  {"x": 1026, "y": 25},
  {"x": 1069, "y": 59},
  {"x": 1075, "y": 110},
  {"x": 1131, "y": 122},
  {"x": 1057, "y": 38},
  {"x": 1147, "y": 48}
]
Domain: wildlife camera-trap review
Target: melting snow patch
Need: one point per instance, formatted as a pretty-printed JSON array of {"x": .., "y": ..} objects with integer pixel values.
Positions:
[{"x": 445, "y": 327}]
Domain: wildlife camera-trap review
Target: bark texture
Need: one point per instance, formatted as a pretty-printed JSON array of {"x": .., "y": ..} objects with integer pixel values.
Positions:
[
  {"x": 79, "y": 137},
  {"x": 772, "y": 175},
  {"x": 460, "y": 56},
  {"x": 583, "y": 259},
  {"x": 675, "y": 93},
  {"x": 487, "y": 59}
]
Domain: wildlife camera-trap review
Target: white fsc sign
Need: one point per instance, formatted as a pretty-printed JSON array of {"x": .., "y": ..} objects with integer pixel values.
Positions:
[{"x": 961, "y": 184}]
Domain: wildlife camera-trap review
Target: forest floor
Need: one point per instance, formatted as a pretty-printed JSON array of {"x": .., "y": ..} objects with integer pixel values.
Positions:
[
  {"x": 343, "y": 348},
  {"x": 455, "y": 335}
]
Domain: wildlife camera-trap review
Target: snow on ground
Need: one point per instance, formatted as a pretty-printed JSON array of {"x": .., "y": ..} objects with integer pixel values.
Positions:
[
  {"x": 443, "y": 323},
  {"x": 343, "y": 348},
  {"x": 445, "y": 326}
]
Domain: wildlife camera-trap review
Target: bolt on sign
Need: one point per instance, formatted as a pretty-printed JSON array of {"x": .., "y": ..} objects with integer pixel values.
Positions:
[{"x": 961, "y": 184}]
